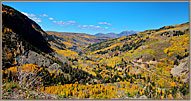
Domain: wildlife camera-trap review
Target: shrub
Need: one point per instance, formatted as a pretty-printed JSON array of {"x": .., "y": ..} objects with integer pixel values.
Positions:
[{"x": 11, "y": 85}]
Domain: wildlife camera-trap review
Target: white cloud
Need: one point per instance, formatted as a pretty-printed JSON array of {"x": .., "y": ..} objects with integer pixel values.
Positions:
[
  {"x": 85, "y": 26},
  {"x": 51, "y": 18},
  {"x": 104, "y": 23},
  {"x": 61, "y": 23},
  {"x": 79, "y": 26},
  {"x": 29, "y": 15},
  {"x": 93, "y": 27},
  {"x": 33, "y": 17},
  {"x": 72, "y": 22},
  {"x": 97, "y": 26},
  {"x": 43, "y": 15},
  {"x": 54, "y": 21},
  {"x": 24, "y": 13},
  {"x": 105, "y": 27},
  {"x": 37, "y": 19}
]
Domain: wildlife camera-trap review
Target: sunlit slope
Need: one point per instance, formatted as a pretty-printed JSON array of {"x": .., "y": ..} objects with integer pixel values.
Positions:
[
  {"x": 67, "y": 43},
  {"x": 150, "y": 43}
]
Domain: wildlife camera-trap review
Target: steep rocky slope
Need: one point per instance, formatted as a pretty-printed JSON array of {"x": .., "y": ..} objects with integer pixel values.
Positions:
[{"x": 25, "y": 28}]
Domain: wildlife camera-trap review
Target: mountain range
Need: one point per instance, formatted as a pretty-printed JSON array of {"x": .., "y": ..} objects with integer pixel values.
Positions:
[{"x": 115, "y": 35}]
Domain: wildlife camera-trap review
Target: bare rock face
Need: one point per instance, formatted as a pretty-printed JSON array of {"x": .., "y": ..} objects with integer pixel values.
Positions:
[
  {"x": 32, "y": 57},
  {"x": 182, "y": 69},
  {"x": 54, "y": 66},
  {"x": 38, "y": 59}
]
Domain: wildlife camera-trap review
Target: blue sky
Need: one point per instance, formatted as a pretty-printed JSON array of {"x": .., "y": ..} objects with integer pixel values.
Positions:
[{"x": 104, "y": 17}]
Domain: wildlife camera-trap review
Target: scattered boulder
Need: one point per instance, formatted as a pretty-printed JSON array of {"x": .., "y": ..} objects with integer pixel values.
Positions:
[
  {"x": 143, "y": 97},
  {"x": 55, "y": 66}
]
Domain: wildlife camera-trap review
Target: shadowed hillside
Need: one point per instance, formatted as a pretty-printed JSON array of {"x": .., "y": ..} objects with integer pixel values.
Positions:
[{"x": 26, "y": 29}]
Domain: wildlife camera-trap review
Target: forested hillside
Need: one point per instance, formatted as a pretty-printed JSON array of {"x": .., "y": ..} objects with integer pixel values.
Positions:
[
  {"x": 153, "y": 64},
  {"x": 149, "y": 64}
]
